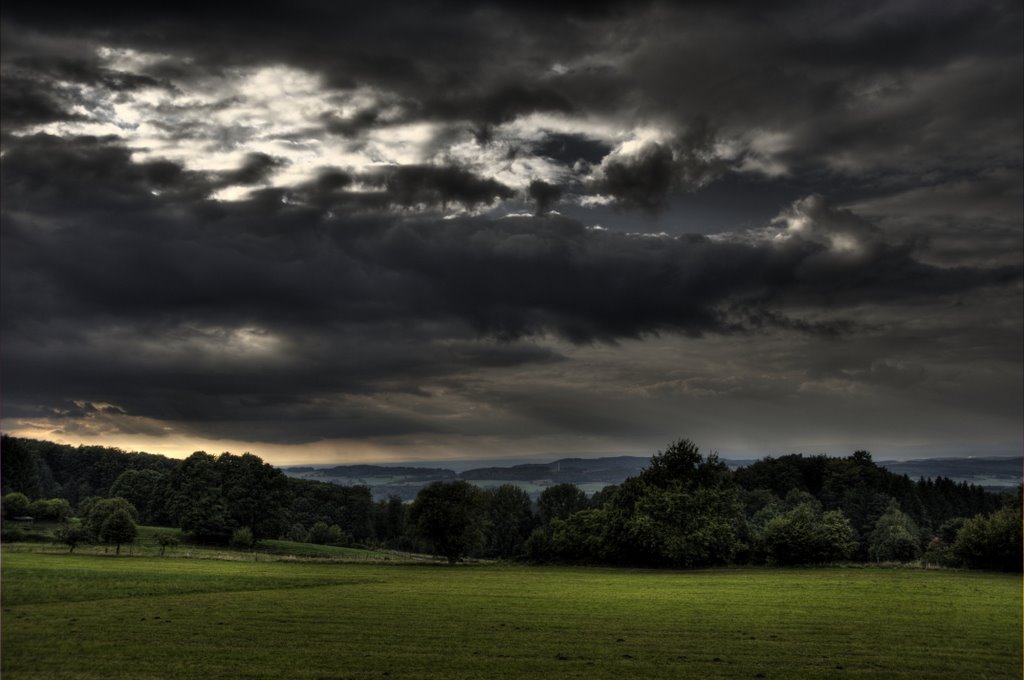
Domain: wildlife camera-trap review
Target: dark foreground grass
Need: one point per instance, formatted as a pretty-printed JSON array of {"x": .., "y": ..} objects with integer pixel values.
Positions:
[{"x": 70, "y": 616}]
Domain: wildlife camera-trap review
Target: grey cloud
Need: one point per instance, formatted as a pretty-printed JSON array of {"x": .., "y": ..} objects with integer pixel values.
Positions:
[
  {"x": 640, "y": 180},
  {"x": 909, "y": 114},
  {"x": 569, "y": 149},
  {"x": 645, "y": 178},
  {"x": 544, "y": 195},
  {"x": 256, "y": 168},
  {"x": 28, "y": 102},
  {"x": 436, "y": 185}
]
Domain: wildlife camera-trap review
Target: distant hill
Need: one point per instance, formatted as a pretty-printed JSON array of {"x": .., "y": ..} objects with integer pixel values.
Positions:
[
  {"x": 593, "y": 474},
  {"x": 994, "y": 473},
  {"x": 566, "y": 470}
]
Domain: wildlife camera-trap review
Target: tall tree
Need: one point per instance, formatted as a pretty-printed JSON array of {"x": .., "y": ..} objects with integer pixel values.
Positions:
[
  {"x": 448, "y": 516},
  {"x": 118, "y": 528},
  {"x": 560, "y": 502},
  {"x": 509, "y": 520}
]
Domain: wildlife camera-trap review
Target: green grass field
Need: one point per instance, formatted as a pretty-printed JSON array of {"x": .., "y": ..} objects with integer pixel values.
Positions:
[{"x": 71, "y": 616}]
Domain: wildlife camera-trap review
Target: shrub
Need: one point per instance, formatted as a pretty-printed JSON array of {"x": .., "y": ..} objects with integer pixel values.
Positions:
[
  {"x": 319, "y": 533},
  {"x": 15, "y": 505},
  {"x": 895, "y": 537},
  {"x": 805, "y": 535},
  {"x": 243, "y": 538},
  {"x": 297, "y": 533},
  {"x": 991, "y": 541},
  {"x": 166, "y": 540}
]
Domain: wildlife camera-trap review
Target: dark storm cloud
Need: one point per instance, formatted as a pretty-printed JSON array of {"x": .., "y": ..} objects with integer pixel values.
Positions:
[
  {"x": 645, "y": 178},
  {"x": 642, "y": 180},
  {"x": 256, "y": 168},
  {"x": 847, "y": 84},
  {"x": 569, "y": 149},
  {"x": 28, "y": 102},
  {"x": 415, "y": 184},
  {"x": 510, "y": 277},
  {"x": 111, "y": 269},
  {"x": 297, "y": 312},
  {"x": 544, "y": 195}
]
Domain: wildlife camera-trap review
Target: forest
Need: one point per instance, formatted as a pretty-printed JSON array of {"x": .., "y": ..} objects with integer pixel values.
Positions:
[{"x": 684, "y": 510}]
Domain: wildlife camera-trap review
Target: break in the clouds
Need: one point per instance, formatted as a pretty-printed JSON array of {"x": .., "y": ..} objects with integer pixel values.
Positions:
[{"x": 472, "y": 229}]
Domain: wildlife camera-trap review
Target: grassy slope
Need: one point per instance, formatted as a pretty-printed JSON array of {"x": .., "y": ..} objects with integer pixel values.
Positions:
[
  {"x": 98, "y": 617},
  {"x": 146, "y": 544}
]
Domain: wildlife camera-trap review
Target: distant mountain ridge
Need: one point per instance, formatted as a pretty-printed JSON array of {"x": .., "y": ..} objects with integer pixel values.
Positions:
[{"x": 592, "y": 474}]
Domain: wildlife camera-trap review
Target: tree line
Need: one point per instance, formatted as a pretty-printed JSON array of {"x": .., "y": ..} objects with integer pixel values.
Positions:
[{"x": 684, "y": 510}]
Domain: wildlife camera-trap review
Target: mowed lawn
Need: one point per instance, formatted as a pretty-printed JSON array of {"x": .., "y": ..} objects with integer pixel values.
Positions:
[{"x": 70, "y": 616}]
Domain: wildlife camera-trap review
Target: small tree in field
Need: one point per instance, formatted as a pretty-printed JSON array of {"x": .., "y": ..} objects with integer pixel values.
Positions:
[
  {"x": 71, "y": 535},
  {"x": 166, "y": 540},
  {"x": 118, "y": 528}
]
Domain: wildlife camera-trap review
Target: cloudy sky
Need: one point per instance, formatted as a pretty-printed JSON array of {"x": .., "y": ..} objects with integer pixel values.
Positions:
[{"x": 410, "y": 231}]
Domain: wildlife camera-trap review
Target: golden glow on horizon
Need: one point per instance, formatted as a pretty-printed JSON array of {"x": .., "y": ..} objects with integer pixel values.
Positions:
[{"x": 410, "y": 448}]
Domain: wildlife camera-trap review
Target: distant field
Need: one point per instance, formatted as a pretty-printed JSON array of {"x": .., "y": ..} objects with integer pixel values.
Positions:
[
  {"x": 71, "y": 616},
  {"x": 146, "y": 546}
]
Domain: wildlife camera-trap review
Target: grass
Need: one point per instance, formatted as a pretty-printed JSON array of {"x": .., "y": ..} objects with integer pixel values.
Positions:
[
  {"x": 85, "y": 616},
  {"x": 145, "y": 545}
]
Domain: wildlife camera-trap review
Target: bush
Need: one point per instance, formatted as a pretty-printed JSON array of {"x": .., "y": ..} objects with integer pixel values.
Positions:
[
  {"x": 805, "y": 535},
  {"x": 297, "y": 533},
  {"x": 895, "y": 538},
  {"x": 13, "y": 534},
  {"x": 15, "y": 505},
  {"x": 319, "y": 533},
  {"x": 243, "y": 538},
  {"x": 166, "y": 540},
  {"x": 54, "y": 509},
  {"x": 101, "y": 510},
  {"x": 991, "y": 541}
]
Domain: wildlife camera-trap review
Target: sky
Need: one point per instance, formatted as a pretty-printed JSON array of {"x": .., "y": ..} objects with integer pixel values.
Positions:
[{"x": 330, "y": 233}]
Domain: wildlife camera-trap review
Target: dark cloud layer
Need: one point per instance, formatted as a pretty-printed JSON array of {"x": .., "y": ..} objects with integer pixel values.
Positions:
[
  {"x": 870, "y": 151},
  {"x": 95, "y": 261}
]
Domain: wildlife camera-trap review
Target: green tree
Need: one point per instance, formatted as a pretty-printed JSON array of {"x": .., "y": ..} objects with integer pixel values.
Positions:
[
  {"x": 242, "y": 538},
  {"x": 682, "y": 464},
  {"x": 165, "y": 540},
  {"x": 449, "y": 517},
  {"x": 18, "y": 467},
  {"x": 559, "y": 502},
  {"x": 118, "y": 528},
  {"x": 195, "y": 502},
  {"x": 255, "y": 493},
  {"x": 147, "y": 490},
  {"x": 53, "y": 509},
  {"x": 580, "y": 538},
  {"x": 991, "y": 541},
  {"x": 895, "y": 537},
  {"x": 102, "y": 509},
  {"x": 806, "y": 535},
  {"x": 320, "y": 533},
  {"x": 389, "y": 522},
  {"x": 15, "y": 504},
  {"x": 509, "y": 520},
  {"x": 686, "y": 527},
  {"x": 297, "y": 533},
  {"x": 72, "y": 535}
]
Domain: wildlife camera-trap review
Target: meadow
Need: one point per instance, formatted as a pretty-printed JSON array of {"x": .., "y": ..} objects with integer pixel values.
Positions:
[{"x": 96, "y": 616}]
